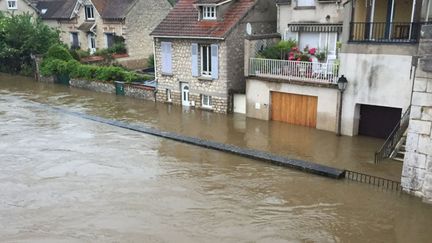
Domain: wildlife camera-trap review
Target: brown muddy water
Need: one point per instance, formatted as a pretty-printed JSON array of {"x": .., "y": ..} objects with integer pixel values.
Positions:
[{"x": 65, "y": 179}]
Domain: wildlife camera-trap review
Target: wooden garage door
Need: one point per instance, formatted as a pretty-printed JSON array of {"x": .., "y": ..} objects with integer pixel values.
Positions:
[{"x": 294, "y": 109}]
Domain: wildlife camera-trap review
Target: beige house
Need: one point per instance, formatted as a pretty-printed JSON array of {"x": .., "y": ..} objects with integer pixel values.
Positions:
[
  {"x": 199, "y": 50},
  {"x": 18, "y": 6},
  {"x": 299, "y": 92},
  {"x": 97, "y": 24},
  {"x": 376, "y": 50}
]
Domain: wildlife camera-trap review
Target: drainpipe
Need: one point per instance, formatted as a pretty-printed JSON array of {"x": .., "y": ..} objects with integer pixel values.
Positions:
[{"x": 412, "y": 18}]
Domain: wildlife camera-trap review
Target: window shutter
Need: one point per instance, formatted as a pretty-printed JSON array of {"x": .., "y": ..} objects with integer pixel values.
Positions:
[
  {"x": 214, "y": 62},
  {"x": 166, "y": 57},
  {"x": 195, "y": 60}
]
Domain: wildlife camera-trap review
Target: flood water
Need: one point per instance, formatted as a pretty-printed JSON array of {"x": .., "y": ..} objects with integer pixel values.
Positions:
[{"x": 66, "y": 179}]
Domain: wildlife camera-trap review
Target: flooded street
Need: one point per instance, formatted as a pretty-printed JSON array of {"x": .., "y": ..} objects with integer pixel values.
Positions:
[{"x": 66, "y": 179}]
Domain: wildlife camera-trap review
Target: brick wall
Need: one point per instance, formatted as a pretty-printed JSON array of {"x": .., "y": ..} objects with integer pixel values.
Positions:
[{"x": 417, "y": 167}]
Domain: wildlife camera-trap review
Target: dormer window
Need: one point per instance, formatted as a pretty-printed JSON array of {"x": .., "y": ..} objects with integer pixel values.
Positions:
[
  {"x": 209, "y": 12},
  {"x": 12, "y": 4},
  {"x": 89, "y": 12}
]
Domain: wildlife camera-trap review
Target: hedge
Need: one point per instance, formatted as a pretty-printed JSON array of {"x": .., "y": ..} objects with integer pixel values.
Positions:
[{"x": 73, "y": 68}]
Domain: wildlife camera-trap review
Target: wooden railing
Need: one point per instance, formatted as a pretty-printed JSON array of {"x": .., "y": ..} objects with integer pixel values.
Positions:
[
  {"x": 390, "y": 144},
  {"x": 294, "y": 70}
]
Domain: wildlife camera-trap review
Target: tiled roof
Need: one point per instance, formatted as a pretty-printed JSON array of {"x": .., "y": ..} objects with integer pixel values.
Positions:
[
  {"x": 55, "y": 9},
  {"x": 182, "y": 20},
  {"x": 208, "y": 1},
  {"x": 113, "y": 9}
]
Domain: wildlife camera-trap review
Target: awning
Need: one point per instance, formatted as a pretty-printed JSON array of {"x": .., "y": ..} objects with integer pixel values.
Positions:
[
  {"x": 307, "y": 27},
  {"x": 87, "y": 26}
]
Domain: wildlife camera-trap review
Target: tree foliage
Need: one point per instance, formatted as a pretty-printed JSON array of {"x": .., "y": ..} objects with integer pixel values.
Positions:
[{"x": 22, "y": 36}]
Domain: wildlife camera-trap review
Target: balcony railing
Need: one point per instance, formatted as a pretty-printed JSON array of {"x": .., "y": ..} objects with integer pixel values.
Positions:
[
  {"x": 385, "y": 32},
  {"x": 315, "y": 72}
]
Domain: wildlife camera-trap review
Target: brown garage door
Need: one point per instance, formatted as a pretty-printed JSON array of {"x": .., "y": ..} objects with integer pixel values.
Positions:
[{"x": 294, "y": 109}]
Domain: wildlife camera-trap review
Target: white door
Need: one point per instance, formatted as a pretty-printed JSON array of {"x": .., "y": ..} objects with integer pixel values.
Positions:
[
  {"x": 91, "y": 43},
  {"x": 185, "y": 94}
]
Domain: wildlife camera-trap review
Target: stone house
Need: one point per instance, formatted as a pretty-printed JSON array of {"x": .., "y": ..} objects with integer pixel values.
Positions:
[
  {"x": 18, "y": 6},
  {"x": 199, "y": 50},
  {"x": 96, "y": 24}
]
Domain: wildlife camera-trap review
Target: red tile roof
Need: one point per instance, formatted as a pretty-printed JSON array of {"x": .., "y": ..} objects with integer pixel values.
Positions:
[{"x": 182, "y": 21}]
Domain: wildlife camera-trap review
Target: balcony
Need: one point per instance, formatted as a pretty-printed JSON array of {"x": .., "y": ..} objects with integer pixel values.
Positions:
[
  {"x": 313, "y": 72},
  {"x": 385, "y": 32}
]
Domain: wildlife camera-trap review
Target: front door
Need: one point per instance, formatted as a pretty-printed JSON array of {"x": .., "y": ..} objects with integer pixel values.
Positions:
[{"x": 185, "y": 94}]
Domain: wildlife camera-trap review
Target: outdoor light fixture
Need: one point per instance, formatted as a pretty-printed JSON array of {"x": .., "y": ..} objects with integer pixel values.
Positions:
[{"x": 342, "y": 83}]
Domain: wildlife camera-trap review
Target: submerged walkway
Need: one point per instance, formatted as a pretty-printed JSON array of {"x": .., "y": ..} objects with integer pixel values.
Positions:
[{"x": 249, "y": 153}]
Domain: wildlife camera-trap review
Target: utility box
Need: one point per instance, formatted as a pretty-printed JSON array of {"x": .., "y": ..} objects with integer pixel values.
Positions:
[
  {"x": 119, "y": 88},
  {"x": 62, "y": 79}
]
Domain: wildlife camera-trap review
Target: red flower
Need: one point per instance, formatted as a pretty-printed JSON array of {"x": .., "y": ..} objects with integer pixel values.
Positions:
[
  {"x": 312, "y": 51},
  {"x": 310, "y": 59},
  {"x": 294, "y": 48},
  {"x": 299, "y": 59},
  {"x": 291, "y": 58}
]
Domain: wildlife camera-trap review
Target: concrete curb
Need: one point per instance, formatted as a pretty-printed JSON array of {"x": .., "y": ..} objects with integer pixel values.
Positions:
[{"x": 301, "y": 165}]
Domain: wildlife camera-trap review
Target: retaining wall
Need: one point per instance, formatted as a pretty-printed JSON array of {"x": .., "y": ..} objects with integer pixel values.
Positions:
[{"x": 133, "y": 90}]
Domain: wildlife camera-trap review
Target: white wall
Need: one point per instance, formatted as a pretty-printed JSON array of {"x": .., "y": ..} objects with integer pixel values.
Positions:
[
  {"x": 374, "y": 79},
  {"x": 258, "y": 92},
  {"x": 288, "y": 14}
]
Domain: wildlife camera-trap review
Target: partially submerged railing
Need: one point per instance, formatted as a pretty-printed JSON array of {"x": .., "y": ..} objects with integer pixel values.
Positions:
[
  {"x": 385, "y": 32},
  {"x": 394, "y": 137},
  {"x": 294, "y": 70},
  {"x": 373, "y": 180}
]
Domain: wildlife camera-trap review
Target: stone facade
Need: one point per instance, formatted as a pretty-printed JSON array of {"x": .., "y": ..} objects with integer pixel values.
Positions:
[
  {"x": 131, "y": 90},
  {"x": 417, "y": 167},
  {"x": 135, "y": 28},
  {"x": 230, "y": 62},
  {"x": 23, "y": 6}
]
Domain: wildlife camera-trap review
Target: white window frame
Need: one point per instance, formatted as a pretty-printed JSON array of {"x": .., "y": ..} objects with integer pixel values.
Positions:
[
  {"x": 209, "y": 12},
  {"x": 208, "y": 71},
  {"x": 305, "y": 3},
  {"x": 87, "y": 14},
  {"x": 15, "y": 3},
  {"x": 206, "y": 101}
]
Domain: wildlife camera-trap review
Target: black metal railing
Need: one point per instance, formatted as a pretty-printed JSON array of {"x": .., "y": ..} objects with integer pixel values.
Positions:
[
  {"x": 385, "y": 32},
  {"x": 390, "y": 144},
  {"x": 373, "y": 180}
]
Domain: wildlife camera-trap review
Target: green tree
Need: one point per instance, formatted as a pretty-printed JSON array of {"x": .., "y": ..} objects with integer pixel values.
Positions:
[{"x": 22, "y": 36}]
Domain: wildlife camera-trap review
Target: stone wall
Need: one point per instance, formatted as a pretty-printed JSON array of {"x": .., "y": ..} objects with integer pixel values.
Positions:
[
  {"x": 131, "y": 90},
  {"x": 140, "y": 21},
  {"x": 417, "y": 167}
]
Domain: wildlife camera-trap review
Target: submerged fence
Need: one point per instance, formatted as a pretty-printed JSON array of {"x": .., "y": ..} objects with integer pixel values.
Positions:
[{"x": 373, "y": 180}]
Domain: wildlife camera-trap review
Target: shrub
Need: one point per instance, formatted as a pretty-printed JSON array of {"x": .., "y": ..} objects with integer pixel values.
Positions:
[
  {"x": 59, "y": 52},
  {"x": 74, "y": 69},
  {"x": 150, "y": 61}
]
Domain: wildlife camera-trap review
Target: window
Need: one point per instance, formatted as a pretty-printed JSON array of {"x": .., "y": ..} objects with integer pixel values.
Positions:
[
  {"x": 208, "y": 12},
  {"x": 324, "y": 41},
  {"x": 12, "y": 4},
  {"x": 305, "y": 3},
  {"x": 206, "y": 65},
  {"x": 89, "y": 12},
  {"x": 74, "y": 40},
  {"x": 206, "y": 101},
  {"x": 109, "y": 39}
]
